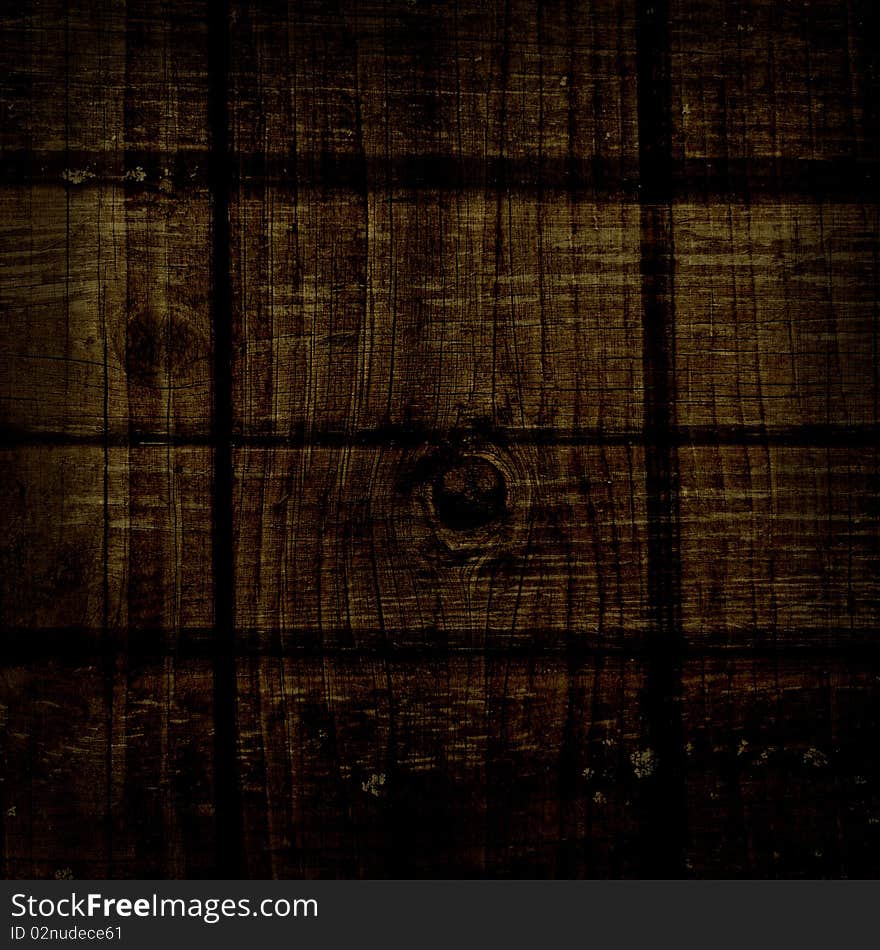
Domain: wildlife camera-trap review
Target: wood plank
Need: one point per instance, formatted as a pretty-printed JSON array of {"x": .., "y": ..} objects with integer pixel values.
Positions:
[
  {"x": 106, "y": 328},
  {"x": 384, "y": 86},
  {"x": 104, "y": 84},
  {"x": 783, "y": 770},
  {"x": 380, "y": 545},
  {"x": 437, "y": 310},
  {"x": 163, "y": 769},
  {"x": 774, "y": 81},
  {"x": 779, "y": 544},
  {"x": 61, "y": 90},
  {"x": 55, "y": 736},
  {"x": 776, "y": 314},
  {"x": 107, "y": 770},
  {"x": 454, "y": 767},
  {"x": 107, "y": 541},
  {"x": 104, "y": 269},
  {"x": 411, "y": 244}
]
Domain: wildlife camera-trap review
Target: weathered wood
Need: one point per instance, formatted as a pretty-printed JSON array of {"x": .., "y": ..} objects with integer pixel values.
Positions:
[
  {"x": 342, "y": 547},
  {"x": 107, "y": 770},
  {"x": 460, "y": 766},
  {"x": 318, "y": 90},
  {"x": 105, "y": 303},
  {"x": 429, "y": 524},
  {"x": 782, "y": 770},
  {"x": 761, "y": 80},
  {"x": 779, "y": 544},
  {"x": 106, "y": 256},
  {"x": 437, "y": 310},
  {"x": 112, "y": 542},
  {"x": 776, "y": 314}
]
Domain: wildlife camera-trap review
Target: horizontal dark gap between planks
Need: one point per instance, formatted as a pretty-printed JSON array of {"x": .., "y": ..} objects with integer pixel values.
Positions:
[
  {"x": 83, "y": 643},
  {"x": 807, "y": 436},
  {"x": 843, "y": 179}
]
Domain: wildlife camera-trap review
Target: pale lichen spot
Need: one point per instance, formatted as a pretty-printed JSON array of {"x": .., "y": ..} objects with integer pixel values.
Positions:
[
  {"x": 742, "y": 747},
  {"x": 135, "y": 174},
  {"x": 643, "y": 761},
  {"x": 374, "y": 784},
  {"x": 10, "y": 812},
  {"x": 815, "y": 758},
  {"x": 64, "y": 874},
  {"x": 599, "y": 798},
  {"x": 588, "y": 774},
  {"x": 76, "y": 176}
]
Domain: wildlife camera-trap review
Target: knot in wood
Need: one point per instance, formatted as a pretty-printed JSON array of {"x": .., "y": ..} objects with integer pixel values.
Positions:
[{"x": 469, "y": 493}]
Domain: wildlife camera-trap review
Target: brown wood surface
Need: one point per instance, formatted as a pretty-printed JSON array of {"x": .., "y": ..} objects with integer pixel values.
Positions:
[{"x": 439, "y": 439}]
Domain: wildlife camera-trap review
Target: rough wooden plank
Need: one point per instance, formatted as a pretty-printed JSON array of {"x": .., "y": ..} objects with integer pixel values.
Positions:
[
  {"x": 779, "y": 544},
  {"x": 107, "y": 771},
  {"x": 774, "y": 80},
  {"x": 783, "y": 770},
  {"x": 356, "y": 546},
  {"x": 437, "y": 310},
  {"x": 104, "y": 293},
  {"x": 61, "y": 91},
  {"x": 106, "y": 265},
  {"x": 107, "y": 541},
  {"x": 386, "y": 272},
  {"x": 163, "y": 789},
  {"x": 107, "y": 85},
  {"x": 776, "y": 314},
  {"x": 544, "y": 87},
  {"x": 462, "y": 766},
  {"x": 55, "y": 736}
]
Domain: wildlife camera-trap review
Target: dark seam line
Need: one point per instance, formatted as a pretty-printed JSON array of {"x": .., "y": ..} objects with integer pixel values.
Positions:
[
  {"x": 842, "y": 180},
  {"x": 226, "y": 781},
  {"x": 664, "y": 831}
]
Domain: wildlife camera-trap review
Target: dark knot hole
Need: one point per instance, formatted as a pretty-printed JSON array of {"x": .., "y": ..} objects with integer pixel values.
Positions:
[{"x": 469, "y": 493}]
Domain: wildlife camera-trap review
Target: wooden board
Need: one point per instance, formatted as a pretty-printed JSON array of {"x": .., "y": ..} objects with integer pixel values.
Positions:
[
  {"x": 776, "y": 314},
  {"x": 779, "y": 545},
  {"x": 782, "y": 766},
  {"x": 463, "y": 766},
  {"x": 107, "y": 769},
  {"x": 439, "y": 439},
  {"x": 353, "y": 547},
  {"x": 114, "y": 542}
]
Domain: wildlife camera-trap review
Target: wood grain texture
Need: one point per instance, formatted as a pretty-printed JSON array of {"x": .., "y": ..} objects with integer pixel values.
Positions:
[
  {"x": 104, "y": 82},
  {"x": 106, "y": 265},
  {"x": 779, "y": 544},
  {"x": 462, "y": 766},
  {"x": 346, "y": 547},
  {"x": 440, "y": 310},
  {"x": 104, "y": 298},
  {"x": 107, "y": 769},
  {"x": 320, "y": 88},
  {"x": 774, "y": 80},
  {"x": 439, "y": 439},
  {"x": 115, "y": 542},
  {"x": 776, "y": 315}
]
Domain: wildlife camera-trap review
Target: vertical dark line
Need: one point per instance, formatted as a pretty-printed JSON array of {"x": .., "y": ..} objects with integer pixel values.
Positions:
[
  {"x": 664, "y": 832},
  {"x": 226, "y": 783}
]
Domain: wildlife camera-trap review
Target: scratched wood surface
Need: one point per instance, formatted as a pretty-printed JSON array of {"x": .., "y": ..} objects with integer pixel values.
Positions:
[{"x": 439, "y": 439}]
